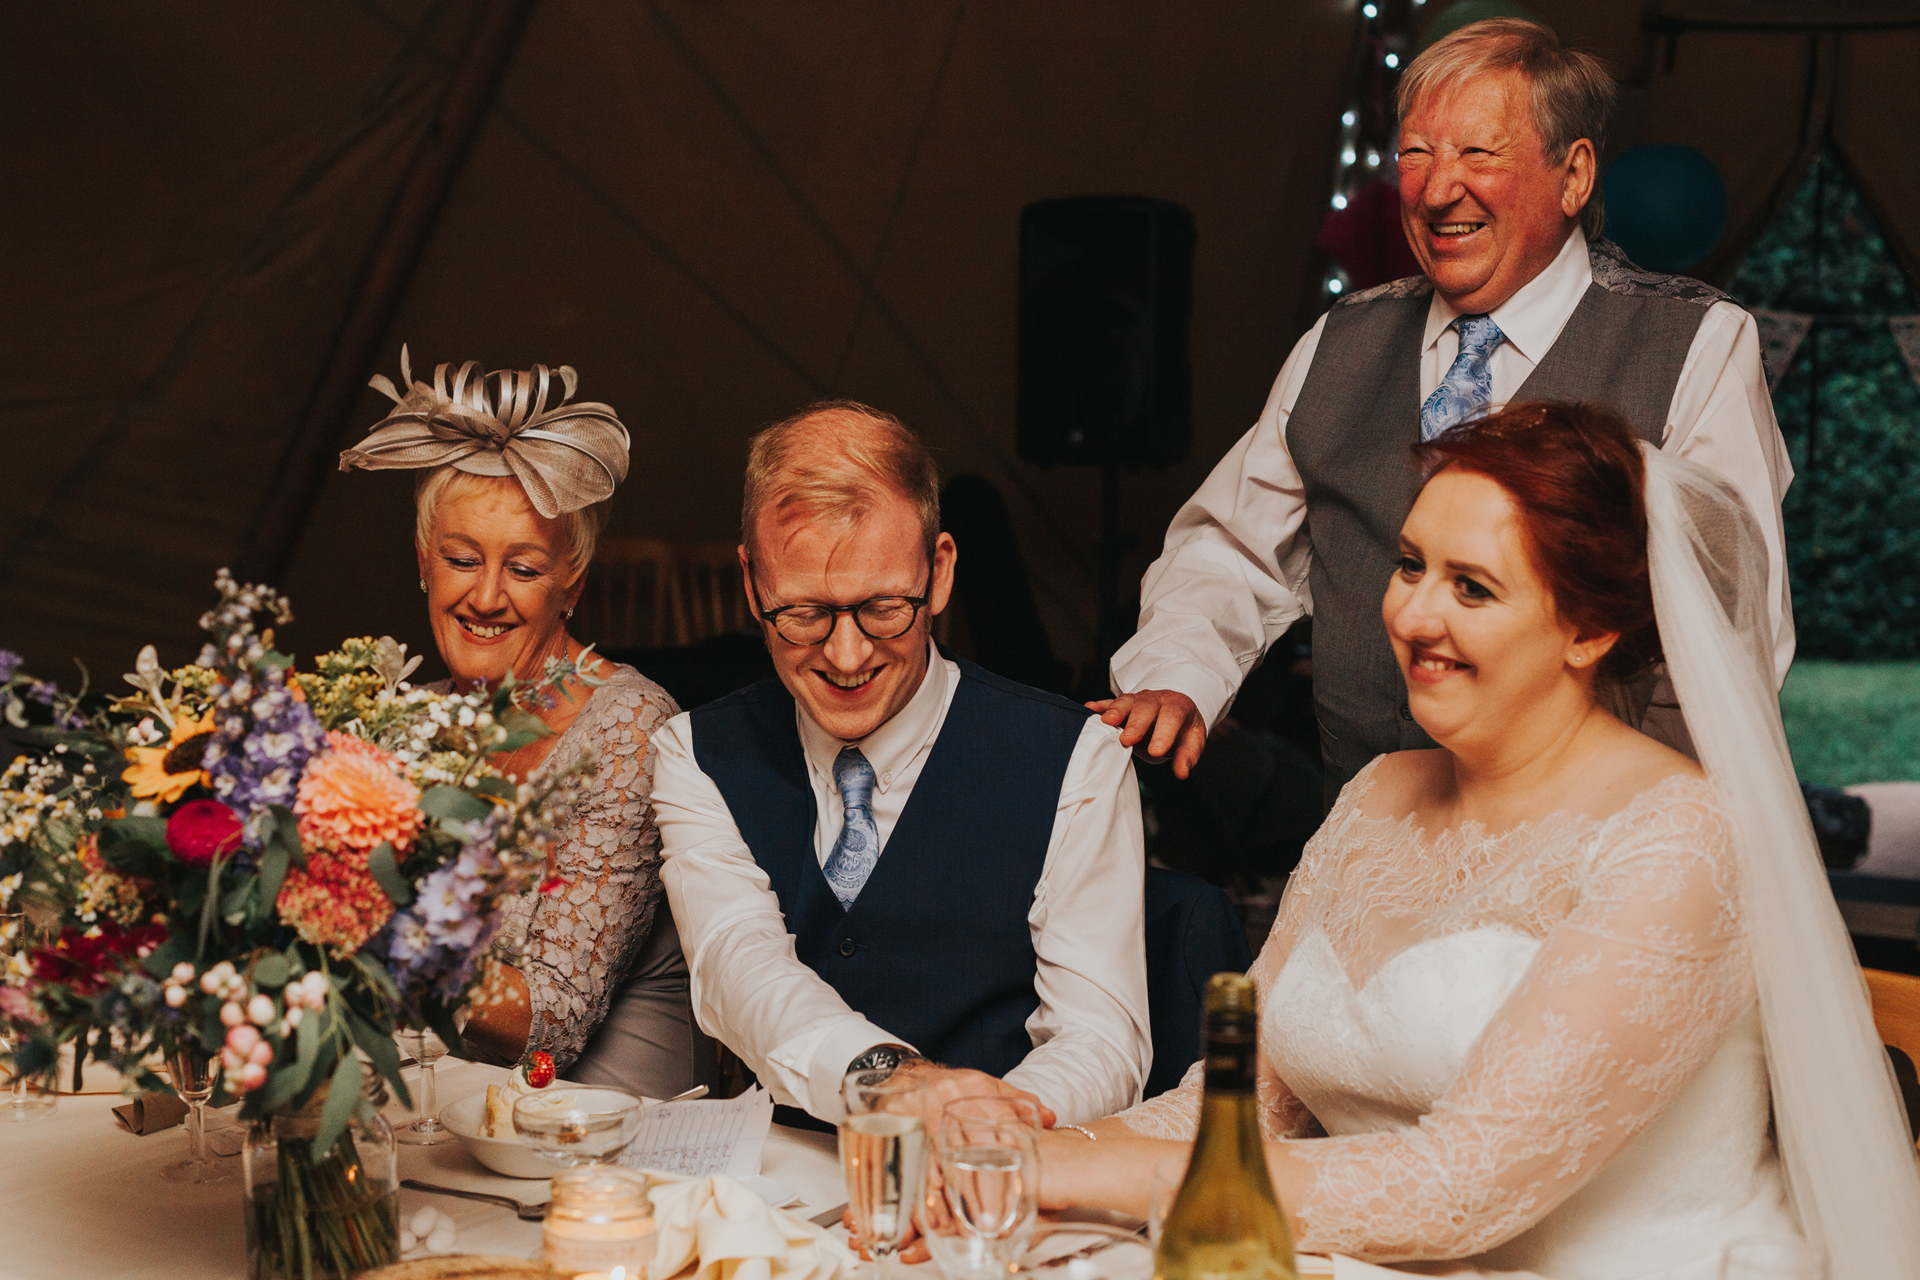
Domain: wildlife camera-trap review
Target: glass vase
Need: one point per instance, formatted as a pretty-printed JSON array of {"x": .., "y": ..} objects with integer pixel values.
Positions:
[{"x": 325, "y": 1218}]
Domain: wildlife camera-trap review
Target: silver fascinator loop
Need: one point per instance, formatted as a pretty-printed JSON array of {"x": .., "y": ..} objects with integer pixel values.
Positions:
[{"x": 566, "y": 457}]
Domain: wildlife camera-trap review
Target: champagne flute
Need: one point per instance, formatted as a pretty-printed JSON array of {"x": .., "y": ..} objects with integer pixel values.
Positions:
[
  {"x": 883, "y": 1149},
  {"x": 193, "y": 1079},
  {"x": 426, "y": 1048},
  {"x": 24, "y": 1101}
]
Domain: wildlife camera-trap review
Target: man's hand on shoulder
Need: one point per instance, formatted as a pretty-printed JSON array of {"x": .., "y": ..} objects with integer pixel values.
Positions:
[{"x": 1166, "y": 719}]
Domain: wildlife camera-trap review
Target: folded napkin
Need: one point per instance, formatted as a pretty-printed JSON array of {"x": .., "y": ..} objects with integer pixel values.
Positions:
[
  {"x": 151, "y": 1112},
  {"x": 713, "y": 1228}
]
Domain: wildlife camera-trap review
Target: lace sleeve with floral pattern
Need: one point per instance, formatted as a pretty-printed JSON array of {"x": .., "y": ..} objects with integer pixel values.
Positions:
[{"x": 581, "y": 941}]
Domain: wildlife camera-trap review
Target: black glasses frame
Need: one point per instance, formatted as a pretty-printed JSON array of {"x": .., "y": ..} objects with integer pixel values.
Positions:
[{"x": 772, "y": 616}]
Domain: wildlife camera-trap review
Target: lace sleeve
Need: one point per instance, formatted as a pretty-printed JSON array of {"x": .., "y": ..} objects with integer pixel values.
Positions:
[
  {"x": 581, "y": 941},
  {"x": 1176, "y": 1113},
  {"x": 1628, "y": 997}
]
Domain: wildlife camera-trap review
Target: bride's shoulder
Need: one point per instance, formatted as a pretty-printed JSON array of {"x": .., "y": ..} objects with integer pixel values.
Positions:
[{"x": 1393, "y": 785}]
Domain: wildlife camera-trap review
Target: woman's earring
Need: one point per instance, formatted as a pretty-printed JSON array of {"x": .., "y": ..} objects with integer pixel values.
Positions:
[
  {"x": 568, "y": 614},
  {"x": 1578, "y": 659},
  {"x": 423, "y": 584}
]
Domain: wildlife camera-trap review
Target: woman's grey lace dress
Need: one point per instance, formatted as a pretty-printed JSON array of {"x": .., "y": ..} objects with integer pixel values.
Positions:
[{"x": 580, "y": 943}]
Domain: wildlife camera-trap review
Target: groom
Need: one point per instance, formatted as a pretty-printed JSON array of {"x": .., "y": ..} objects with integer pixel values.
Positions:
[
  {"x": 888, "y": 853},
  {"x": 1499, "y": 137}
]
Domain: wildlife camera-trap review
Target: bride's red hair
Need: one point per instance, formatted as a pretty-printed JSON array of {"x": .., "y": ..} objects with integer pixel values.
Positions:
[{"x": 1576, "y": 475}]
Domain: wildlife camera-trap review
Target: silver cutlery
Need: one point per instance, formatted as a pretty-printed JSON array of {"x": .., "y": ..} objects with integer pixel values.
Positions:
[{"x": 526, "y": 1212}]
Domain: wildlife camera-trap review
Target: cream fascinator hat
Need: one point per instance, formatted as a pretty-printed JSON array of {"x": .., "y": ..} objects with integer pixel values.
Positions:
[{"x": 498, "y": 424}]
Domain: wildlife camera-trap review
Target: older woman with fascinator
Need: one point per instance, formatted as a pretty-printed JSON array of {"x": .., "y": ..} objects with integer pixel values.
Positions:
[{"x": 510, "y": 498}]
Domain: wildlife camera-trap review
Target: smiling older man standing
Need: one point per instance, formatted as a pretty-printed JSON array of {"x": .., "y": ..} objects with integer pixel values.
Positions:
[
  {"x": 1519, "y": 300},
  {"x": 887, "y": 854}
]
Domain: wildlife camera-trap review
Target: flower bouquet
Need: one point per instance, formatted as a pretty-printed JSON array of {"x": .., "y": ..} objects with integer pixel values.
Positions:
[{"x": 273, "y": 869}]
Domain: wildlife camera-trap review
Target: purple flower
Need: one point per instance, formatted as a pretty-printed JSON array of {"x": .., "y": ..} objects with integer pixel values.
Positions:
[
  {"x": 43, "y": 691},
  {"x": 9, "y": 663},
  {"x": 262, "y": 743}
]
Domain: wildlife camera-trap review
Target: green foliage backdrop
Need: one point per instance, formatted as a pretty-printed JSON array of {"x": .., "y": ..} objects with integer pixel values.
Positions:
[{"x": 1850, "y": 412}]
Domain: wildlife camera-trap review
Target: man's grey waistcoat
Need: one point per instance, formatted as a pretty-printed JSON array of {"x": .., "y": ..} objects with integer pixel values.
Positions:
[{"x": 1352, "y": 433}]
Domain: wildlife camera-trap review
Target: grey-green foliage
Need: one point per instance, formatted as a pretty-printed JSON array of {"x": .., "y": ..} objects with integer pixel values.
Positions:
[{"x": 1850, "y": 412}]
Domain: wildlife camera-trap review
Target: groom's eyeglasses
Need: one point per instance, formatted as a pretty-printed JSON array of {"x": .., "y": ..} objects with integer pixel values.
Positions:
[{"x": 879, "y": 618}]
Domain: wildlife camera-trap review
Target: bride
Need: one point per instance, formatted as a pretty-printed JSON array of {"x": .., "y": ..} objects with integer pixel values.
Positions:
[{"x": 1552, "y": 998}]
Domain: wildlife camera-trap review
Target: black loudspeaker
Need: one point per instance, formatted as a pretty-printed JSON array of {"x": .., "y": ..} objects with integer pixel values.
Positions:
[{"x": 1106, "y": 292}]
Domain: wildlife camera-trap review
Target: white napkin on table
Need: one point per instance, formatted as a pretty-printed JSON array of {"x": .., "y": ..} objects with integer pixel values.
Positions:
[{"x": 723, "y": 1231}]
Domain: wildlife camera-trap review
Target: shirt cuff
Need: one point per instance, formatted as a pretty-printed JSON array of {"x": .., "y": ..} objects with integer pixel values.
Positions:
[
  {"x": 828, "y": 1068},
  {"x": 1211, "y": 695}
]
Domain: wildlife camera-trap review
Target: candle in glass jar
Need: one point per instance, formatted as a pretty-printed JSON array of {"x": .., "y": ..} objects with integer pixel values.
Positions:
[{"x": 598, "y": 1221}]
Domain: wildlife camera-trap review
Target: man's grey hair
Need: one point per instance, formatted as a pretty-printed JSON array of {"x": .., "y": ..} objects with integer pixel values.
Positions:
[{"x": 1572, "y": 91}]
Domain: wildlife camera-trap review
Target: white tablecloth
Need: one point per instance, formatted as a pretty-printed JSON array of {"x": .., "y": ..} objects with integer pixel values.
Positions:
[{"x": 80, "y": 1196}]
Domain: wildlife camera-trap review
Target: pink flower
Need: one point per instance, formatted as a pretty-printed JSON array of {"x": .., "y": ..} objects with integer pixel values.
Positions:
[
  {"x": 201, "y": 830},
  {"x": 353, "y": 797}
]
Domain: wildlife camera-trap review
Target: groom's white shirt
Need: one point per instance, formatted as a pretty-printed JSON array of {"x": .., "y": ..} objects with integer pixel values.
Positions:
[{"x": 1233, "y": 574}]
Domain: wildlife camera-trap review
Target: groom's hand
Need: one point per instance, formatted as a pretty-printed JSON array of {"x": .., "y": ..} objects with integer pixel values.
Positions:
[{"x": 1166, "y": 719}]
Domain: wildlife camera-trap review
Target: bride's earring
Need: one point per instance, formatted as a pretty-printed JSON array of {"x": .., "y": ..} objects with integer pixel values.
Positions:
[
  {"x": 423, "y": 584},
  {"x": 568, "y": 614}
]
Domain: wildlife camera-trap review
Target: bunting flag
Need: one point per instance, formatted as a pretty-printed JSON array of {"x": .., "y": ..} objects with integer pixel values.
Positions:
[
  {"x": 1906, "y": 332},
  {"x": 1781, "y": 333}
]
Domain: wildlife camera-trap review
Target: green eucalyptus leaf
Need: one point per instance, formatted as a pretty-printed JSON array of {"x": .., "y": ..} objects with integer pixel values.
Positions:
[
  {"x": 282, "y": 1084},
  {"x": 237, "y": 900},
  {"x": 498, "y": 788},
  {"x": 386, "y": 872},
  {"x": 283, "y": 829},
  {"x": 137, "y": 847},
  {"x": 453, "y": 804},
  {"x": 161, "y": 960},
  {"x": 343, "y": 1096},
  {"x": 274, "y": 860},
  {"x": 272, "y": 971},
  {"x": 307, "y": 1038},
  {"x": 514, "y": 741}
]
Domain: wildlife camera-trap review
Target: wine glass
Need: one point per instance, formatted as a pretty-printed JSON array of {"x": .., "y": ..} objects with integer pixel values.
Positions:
[
  {"x": 978, "y": 1220},
  {"x": 24, "y": 1101},
  {"x": 572, "y": 1127},
  {"x": 193, "y": 1079},
  {"x": 883, "y": 1149},
  {"x": 426, "y": 1048}
]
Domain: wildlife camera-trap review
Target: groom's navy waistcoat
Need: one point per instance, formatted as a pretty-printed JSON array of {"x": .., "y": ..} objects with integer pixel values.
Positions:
[
  {"x": 1352, "y": 432},
  {"x": 936, "y": 948}
]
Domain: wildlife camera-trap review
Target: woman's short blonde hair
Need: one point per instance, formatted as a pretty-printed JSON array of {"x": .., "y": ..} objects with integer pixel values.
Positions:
[
  {"x": 579, "y": 530},
  {"x": 838, "y": 457},
  {"x": 1572, "y": 91}
]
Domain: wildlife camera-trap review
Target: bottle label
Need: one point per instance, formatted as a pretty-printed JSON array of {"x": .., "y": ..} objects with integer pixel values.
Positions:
[{"x": 1233, "y": 1058}]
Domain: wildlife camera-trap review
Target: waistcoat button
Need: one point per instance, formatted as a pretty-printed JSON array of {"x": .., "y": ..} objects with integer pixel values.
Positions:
[
  {"x": 846, "y": 947},
  {"x": 1406, "y": 712}
]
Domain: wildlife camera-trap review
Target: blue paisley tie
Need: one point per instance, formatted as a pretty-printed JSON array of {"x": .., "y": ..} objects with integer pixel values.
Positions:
[
  {"x": 858, "y": 847},
  {"x": 1468, "y": 387}
]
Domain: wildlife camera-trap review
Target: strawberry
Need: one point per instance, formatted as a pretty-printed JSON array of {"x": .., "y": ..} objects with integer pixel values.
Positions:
[{"x": 540, "y": 1068}]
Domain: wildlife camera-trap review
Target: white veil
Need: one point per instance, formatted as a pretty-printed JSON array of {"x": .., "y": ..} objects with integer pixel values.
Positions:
[{"x": 1837, "y": 1111}]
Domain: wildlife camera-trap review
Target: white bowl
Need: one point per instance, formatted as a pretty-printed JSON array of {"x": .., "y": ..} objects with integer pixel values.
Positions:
[{"x": 508, "y": 1156}]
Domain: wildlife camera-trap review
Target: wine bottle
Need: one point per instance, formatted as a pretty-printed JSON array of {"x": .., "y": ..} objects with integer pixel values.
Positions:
[{"x": 1225, "y": 1223}]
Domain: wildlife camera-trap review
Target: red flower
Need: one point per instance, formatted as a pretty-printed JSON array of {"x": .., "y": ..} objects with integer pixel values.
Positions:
[
  {"x": 201, "y": 830},
  {"x": 85, "y": 964}
]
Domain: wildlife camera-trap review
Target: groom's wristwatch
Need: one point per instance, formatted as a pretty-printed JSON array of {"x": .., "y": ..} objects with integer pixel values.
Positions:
[{"x": 884, "y": 1057}]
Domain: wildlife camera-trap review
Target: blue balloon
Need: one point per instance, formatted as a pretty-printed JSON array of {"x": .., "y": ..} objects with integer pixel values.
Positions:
[{"x": 1666, "y": 205}]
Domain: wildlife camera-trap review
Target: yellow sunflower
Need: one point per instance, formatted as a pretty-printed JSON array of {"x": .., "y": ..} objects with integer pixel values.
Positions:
[{"x": 164, "y": 773}]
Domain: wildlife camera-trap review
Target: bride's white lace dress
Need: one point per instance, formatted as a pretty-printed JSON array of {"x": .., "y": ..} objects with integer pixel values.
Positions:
[{"x": 1538, "y": 1050}]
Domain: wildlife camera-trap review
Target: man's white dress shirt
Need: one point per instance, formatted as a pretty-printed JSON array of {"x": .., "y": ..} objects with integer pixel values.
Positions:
[
  {"x": 1092, "y": 1046},
  {"x": 1233, "y": 575}
]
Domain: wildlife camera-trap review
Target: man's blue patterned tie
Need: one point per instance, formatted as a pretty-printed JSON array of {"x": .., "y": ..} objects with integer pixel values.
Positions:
[
  {"x": 1468, "y": 387},
  {"x": 858, "y": 848}
]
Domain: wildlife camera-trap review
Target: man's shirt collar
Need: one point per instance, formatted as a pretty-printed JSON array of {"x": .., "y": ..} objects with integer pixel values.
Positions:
[
  {"x": 895, "y": 743},
  {"x": 1532, "y": 318}
]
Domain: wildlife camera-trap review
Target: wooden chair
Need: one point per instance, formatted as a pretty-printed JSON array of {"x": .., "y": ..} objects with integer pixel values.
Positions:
[
  {"x": 646, "y": 593},
  {"x": 1896, "y": 1012}
]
